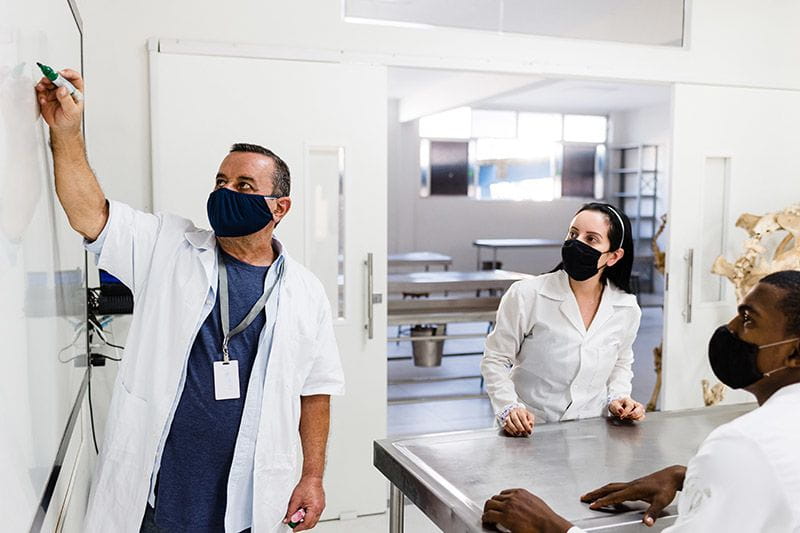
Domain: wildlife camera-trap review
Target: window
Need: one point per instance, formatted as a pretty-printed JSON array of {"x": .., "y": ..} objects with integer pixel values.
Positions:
[
  {"x": 509, "y": 155},
  {"x": 659, "y": 23},
  {"x": 584, "y": 128},
  {"x": 453, "y": 124}
]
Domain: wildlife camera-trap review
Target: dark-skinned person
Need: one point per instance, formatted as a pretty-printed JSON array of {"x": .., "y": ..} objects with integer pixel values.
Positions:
[
  {"x": 746, "y": 474},
  {"x": 561, "y": 348}
]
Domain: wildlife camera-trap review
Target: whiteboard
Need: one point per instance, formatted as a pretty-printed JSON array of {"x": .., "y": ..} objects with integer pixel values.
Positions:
[{"x": 42, "y": 264}]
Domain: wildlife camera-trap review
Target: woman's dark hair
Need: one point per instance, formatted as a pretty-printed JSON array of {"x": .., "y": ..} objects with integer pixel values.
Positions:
[
  {"x": 620, "y": 273},
  {"x": 789, "y": 281}
]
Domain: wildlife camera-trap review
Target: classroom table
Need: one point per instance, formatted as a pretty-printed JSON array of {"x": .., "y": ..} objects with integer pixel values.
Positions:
[
  {"x": 420, "y": 259},
  {"x": 452, "y": 281},
  {"x": 449, "y": 476},
  {"x": 441, "y": 311},
  {"x": 496, "y": 244}
]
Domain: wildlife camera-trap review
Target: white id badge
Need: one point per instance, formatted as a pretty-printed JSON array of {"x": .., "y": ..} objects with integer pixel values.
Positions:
[{"x": 226, "y": 380}]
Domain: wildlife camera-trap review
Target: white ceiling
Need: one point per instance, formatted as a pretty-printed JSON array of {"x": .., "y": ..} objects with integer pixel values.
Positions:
[
  {"x": 405, "y": 82},
  {"x": 561, "y": 95},
  {"x": 580, "y": 96}
]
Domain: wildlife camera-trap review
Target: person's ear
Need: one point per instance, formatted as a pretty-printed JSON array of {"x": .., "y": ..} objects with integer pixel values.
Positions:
[
  {"x": 281, "y": 207},
  {"x": 615, "y": 257},
  {"x": 793, "y": 361}
]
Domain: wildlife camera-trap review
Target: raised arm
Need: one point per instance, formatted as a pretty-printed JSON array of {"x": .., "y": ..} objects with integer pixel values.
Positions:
[{"x": 76, "y": 185}]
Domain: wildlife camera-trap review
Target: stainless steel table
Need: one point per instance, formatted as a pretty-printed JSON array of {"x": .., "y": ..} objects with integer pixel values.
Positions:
[
  {"x": 427, "y": 282},
  {"x": 441, "y": 311},
  {"x": 420, "y": 259},
  {"x": 449, "y": 476},
  {"x": 496, "y": 244}
]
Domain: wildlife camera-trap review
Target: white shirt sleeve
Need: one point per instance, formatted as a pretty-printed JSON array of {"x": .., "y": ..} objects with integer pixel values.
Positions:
[
  {"x": 326, "y": 375},
  {"x": 730, "y": 486},
  {"x": 513, "y": 322},
  {"x": 619, "y": 382},
  {"x": 125, "y": 246}
]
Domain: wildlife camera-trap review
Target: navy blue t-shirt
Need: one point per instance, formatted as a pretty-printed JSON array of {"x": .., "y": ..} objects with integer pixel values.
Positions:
[{"x": 191, "y": 491}]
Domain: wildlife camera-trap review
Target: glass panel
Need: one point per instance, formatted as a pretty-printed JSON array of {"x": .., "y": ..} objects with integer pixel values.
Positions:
[
  {"x": 498, "y": 124},
  {"x": 325, "y": 237},
  {"x": 600, "y": 171},
  {"x": 471, "y": 14},
  {"x": 630, "y": 21},
  {"x": 658, "y": 23},
  {"x": 714, "y": 208},
  {"x": 449, "y": 173},
  {"x": 424, "y": 168},
  {"x": 585, "y": 128},
  {"x": 540, "y": 126},
  {"x": 579, "y": 171},
  {"x": 535, "y": 189},
  {"x": 517, "y": 170},
  {"x": 493, "y": 149},
  {"x": 453, "y": 124}
]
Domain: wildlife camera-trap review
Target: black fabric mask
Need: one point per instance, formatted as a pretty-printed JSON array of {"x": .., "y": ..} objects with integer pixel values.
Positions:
[
  {"x": 580, "y": 259},
  {"x": 734, "y": 360}
]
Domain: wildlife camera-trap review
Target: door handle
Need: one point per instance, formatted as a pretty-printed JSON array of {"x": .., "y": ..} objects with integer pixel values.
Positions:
[
  {"x": 687, "y": 309},
  {"x": 372, "y": 298}
]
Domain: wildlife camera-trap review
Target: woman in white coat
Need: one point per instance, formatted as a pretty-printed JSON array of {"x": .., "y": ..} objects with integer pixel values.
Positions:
[{"x": 561, "y": 348}]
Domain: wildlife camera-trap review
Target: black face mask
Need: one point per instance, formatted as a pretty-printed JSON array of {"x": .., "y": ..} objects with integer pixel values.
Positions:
[
  {"x": 580, "y": 259},
  {"x": 734, "y": 360}
]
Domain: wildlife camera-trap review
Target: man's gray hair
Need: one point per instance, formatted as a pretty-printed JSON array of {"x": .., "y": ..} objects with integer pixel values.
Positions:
[{"x": 281, "y": 180}]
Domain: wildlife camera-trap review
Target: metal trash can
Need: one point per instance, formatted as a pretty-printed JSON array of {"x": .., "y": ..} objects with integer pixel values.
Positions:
[{"x": 428, "y": 353}]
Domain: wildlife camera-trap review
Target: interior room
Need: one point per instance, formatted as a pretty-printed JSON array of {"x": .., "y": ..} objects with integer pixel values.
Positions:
[
  {"x": 523, "y": 125},
  {"x": 399, "y": 265}
]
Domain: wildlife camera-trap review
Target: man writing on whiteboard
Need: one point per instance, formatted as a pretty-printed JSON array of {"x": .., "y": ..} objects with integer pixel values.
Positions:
[{"x": 222, "y": 400}]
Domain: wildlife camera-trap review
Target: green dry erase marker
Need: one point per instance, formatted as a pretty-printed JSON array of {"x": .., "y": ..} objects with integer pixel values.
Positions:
[
  {"x": 297, "y": 518},
  {"x": 60, "y": 81}
]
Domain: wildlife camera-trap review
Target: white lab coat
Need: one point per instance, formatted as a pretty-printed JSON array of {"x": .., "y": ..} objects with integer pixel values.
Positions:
[
  {"x": 171, "y": 268},
  {"x": 541, "y": 355},
  {"x": 746, "y": 475}
]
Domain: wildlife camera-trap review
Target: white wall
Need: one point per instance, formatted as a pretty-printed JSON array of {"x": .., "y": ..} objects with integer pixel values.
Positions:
[
  {"x": 402, "y": 187},
  {"x": 731, "y": 42}
]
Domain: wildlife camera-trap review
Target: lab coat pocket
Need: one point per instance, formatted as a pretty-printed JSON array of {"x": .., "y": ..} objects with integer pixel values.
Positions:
[
  {"x": 127, "y": 421},
  {"x": 124, "y": 455},
  {"x": 274, "y": 482}
]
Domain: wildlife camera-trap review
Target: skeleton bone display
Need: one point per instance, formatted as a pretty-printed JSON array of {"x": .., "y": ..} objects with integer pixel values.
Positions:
[
  {"x": 755, "y": 262},
  {"x": 712, "y": 395},
  {"x": 659, "y": 262}
]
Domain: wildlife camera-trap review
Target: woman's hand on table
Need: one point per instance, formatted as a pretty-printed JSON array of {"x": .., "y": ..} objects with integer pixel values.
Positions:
[
  {"x": 658, "y": 489},
  {"x": 519, "y": 422},
  {"x": 626, "y": 409}
]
